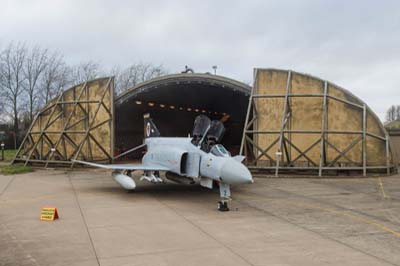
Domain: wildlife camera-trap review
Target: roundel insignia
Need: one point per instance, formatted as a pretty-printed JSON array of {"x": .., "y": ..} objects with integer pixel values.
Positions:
[{"x": 148, "y": 129}]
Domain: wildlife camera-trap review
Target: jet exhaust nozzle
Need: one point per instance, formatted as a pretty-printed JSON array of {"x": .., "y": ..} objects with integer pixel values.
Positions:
[{"x": 124, "y": 180}]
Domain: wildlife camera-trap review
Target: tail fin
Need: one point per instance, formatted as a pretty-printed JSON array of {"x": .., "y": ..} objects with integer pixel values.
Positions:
[{"x": 150, "y": 129}]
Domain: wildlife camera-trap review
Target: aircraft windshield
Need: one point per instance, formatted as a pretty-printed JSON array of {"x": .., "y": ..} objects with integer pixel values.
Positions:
[{"x": 220, "y": 151}]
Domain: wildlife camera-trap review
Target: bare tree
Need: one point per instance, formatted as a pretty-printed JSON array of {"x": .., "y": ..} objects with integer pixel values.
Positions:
[
  {"x": 31, "y": 77},
  {"x": 390, "y": 113},
  {"x": 393, "y": 113},
  {"x": 85, "y": 71},
  {"x": 12, "y": 60},
  {"x": 55, "y": 77},
  {"x": 35, "y": 64},
  {"x": 135, "y": 74},
  {"x": 3, "y": 115}
]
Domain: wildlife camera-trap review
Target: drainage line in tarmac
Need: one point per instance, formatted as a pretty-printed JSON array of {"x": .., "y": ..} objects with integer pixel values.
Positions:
[
  {"x": 6, "y": 187},
  {"x": 382, "y": 189},
  {"x": 83, "y": 218}
]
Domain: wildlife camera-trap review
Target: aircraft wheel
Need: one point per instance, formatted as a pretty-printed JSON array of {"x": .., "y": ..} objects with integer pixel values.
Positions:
[{"x": 223, "y": 206}]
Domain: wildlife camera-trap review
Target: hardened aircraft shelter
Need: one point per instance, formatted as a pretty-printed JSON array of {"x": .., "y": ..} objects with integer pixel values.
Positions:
[{"x": 287, "y": 122}]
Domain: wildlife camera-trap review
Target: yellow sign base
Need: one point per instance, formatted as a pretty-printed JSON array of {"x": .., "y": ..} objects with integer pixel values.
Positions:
[{"x": 48, "y": 214}]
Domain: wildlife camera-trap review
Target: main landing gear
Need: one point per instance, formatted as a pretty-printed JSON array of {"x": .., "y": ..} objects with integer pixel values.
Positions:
[{"x": 225, "y": 193}]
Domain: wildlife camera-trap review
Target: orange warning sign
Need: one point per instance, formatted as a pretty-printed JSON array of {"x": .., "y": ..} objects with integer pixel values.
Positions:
[{"x": 48, "y": 214}]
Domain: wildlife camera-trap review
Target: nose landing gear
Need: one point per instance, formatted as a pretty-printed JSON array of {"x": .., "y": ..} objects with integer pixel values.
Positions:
[
  {"x": 225, "y": 193},
  {"x": 223, "y": 206}
]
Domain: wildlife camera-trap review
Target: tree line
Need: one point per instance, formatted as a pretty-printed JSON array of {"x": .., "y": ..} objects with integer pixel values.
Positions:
[
  {"x": 30, "y": 76},
  {"x": 393, "y": 113}
]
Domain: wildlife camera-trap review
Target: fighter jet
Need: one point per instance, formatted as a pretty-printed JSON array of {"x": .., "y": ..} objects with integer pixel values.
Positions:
[{"x": 199, "y": 159}]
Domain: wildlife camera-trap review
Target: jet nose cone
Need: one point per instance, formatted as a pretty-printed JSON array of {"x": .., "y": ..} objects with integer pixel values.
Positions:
[{"x": 234, "y": 172}]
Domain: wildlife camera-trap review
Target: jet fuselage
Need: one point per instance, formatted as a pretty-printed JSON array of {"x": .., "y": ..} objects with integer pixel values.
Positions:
[{"x": 185, "y": 159}]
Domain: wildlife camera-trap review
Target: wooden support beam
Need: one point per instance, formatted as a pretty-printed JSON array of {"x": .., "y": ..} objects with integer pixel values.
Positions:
[
  {"x": 302, "y": 153},
  {"x": 112, "y": 122},
  {"x": 100, "y": 146},
  {"x": 287, "y": 154},
  {"x": 42, "y": 131},
  {"x": 62, "y": 132},
  {"x": 337, "y": 150},
  {"x": 48, "y": 142},
  {"x": 283, "y": 122},
  {"x": 387, "y": 148},
  {"x": 352, "y": 144},
  {"x": 246, "y": 122},
  {"x": 364, "y": 140},
  {"x": 25, "y": 139},
  {"x": 263, "y": 151},
  {"x": 322, "y": 152},
  {"x": 91, "y": 125}
]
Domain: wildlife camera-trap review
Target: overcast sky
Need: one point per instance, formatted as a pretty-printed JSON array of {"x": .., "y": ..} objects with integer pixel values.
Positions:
[{"x": 355, "y": 44}]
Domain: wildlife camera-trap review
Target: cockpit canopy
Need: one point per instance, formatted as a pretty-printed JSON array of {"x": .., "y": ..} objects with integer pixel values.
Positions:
[
  {"x": 220, "y": 151},
  {"x": 201, "y": 125},
  {"x": 216, "y": 131},
  {"x": 208, "y": 132}
]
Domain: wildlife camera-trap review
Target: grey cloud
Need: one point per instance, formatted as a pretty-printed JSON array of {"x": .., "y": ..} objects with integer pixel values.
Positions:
[{"x": 352, "y": 43}]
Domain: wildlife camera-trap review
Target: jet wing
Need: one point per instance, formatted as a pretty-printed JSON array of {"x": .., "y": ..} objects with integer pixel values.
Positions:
[{"x": 128, "y": 166}]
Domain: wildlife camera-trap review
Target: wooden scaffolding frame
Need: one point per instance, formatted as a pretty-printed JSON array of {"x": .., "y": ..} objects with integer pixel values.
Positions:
[
  {"x": 283, "y": 162},
  {"x": 82, "y": 110}
]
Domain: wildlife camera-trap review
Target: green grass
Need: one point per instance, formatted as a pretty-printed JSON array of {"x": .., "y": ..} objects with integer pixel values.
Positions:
[
  {"x": 8, "y": 155},
  {"x": 14, "y": 169}
]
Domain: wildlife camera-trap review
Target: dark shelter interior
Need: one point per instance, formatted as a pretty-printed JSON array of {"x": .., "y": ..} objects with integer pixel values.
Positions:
[{"x": 174, "y": 101}]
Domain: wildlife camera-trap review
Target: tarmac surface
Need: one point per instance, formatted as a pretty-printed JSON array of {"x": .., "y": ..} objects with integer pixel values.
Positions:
[{"x": 275, "y": 221}]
